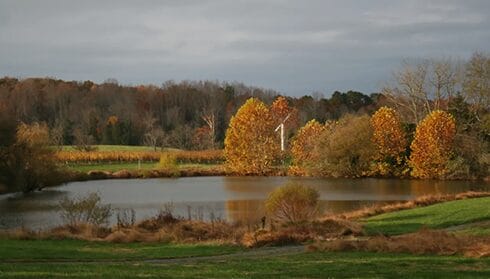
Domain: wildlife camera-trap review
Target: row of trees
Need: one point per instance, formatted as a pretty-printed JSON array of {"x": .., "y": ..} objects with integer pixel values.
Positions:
[
  {"x": 354, "y": 146},
  {"x": 187, "y": 115},
  {"x": 423, "y": 141}
]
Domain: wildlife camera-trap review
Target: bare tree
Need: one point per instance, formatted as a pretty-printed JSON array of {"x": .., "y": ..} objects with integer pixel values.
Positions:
[
  {"x": 409, "y": 93},
  {"x": 56, "y": 134},
  {"x": 444, "y": 80},
  {"x": 154, "y": 137},
  {"x": 83, "y": 141},
  {"x": 423, "y": 86},
  {"x": 210, "y": 120},
  {"x": 476, "y": 86}
]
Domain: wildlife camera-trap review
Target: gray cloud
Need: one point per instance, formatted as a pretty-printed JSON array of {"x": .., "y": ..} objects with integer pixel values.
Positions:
[{"x": 296, "y": 47}]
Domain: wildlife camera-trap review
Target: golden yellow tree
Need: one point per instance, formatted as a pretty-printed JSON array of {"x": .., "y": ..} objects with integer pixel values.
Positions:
[
  {"x": 250, "y": 145},
  {"x": 390, "y": 142},
  {"x": 432, "y": 145},
  {"x": 303, "y": 146}
]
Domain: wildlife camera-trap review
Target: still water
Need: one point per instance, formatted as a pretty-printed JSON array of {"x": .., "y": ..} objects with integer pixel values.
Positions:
[{"x": 230, "y": 198}]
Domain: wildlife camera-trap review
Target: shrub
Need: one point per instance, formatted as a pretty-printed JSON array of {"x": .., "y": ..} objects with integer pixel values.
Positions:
[
  {"x": 168, "y": 162},
  {"x": 293, "y": 203},
  {"x": 84, "y": 209},
  {"x": 126, "y": 217},
  {"x": 345, "y": 148}
]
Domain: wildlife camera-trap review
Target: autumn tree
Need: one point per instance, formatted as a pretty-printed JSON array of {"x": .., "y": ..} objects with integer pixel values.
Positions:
[
  {"x": 304, "y": 157},
  {"x": 345, "y": 147},
  {"x": 250, "y": 145},
  {"x": 432, "y": 145},
  {"x": 389, "y": 139},
  {"x": 27, "y": 163},
  {"x": 282, "y": 112}
]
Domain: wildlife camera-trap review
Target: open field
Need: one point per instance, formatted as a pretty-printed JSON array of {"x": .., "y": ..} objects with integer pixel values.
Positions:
[
  {"x": 118, "y": 148},
  {"x": 438, "y": 216},
  {"x": 130, "y": 166},
  {"x": 135, "y": 155}
]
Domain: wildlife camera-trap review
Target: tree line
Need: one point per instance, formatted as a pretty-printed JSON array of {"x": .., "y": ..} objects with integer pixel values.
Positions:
[
  {"x": 186, "y": 115},
  {"x": 438, "y": 126}
]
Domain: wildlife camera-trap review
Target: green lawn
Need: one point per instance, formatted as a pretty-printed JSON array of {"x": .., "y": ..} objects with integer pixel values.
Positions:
[
  {"x": 442, "y": 215},
  {"x": 301, "y": 265},
  {"x": 83, "y": 250}
]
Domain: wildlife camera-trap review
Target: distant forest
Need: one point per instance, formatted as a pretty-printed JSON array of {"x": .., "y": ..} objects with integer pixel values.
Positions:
[{"x": 178, "y": 115}]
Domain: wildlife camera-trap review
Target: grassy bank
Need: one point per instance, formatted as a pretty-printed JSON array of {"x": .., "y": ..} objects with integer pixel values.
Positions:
[
  {"x": 437, "y": 216},
  {"x": 83, "y": 259}
]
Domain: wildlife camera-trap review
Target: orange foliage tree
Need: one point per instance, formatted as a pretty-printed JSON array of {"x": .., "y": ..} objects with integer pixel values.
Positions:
[
  {"x": 303, "y": 146},
  {"x": 432, "y": 145},
  {"x": 389, "y": 139},
  {"x": 250, "y": 144},
  {"x": 279, "y": 110}
]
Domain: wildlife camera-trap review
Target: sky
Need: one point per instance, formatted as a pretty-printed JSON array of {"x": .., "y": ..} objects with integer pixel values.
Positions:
[{"x": 294, "y": 47}]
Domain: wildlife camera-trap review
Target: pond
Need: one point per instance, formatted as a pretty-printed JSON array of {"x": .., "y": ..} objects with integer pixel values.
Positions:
[{"x": 230, "y": 198}]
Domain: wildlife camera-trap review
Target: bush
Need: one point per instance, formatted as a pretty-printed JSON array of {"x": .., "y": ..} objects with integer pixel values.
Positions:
[
  {"x": 168, "y": 162},
  {"x": 85, "y": 210},
  {"x": 345, "y": 148},
  {"x": 293, "y": 203},
  {"x": 26, "y": 161}
]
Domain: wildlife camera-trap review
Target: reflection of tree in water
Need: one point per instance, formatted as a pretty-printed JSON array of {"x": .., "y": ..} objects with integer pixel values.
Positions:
[
  {"x": 34, "y": 201},
  {"x": 247, "y": 212},
  {"x": 18, "y": 210},
  {"x": 247, "y": 194}
]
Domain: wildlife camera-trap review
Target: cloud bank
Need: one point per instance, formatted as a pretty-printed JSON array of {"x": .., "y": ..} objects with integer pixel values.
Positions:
[{"x": 296, "y": 47}]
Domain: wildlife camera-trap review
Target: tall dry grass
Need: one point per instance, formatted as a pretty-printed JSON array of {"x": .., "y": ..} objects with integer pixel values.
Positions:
[
  {"x": 422, "y": 242},
  {"x": 193, "y": 157}
]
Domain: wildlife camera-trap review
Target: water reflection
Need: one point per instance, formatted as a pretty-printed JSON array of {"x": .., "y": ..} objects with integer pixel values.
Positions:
[
  {"x": 237, "y": 199},
  {"x": 337, "y": 195}
]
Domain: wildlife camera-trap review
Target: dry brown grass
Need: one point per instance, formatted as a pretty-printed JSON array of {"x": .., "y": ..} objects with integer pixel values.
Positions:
[
  {"x": 166, "y": 228},
  {"x": 197, "y": 157},
  {"x": 300, "y": 233},
  {"x": 418, "y": 202},
  {"x": 422, "y": 242}
]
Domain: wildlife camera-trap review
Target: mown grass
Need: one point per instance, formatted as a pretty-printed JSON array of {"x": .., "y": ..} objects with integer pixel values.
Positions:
[
  {"x": 301, "y": 265},
  {"x": 84, "y": 250},
  {"x": 436, "y": 216}
]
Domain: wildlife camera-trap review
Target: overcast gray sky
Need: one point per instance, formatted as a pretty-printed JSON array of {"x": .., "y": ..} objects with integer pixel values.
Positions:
[{"x": 296, "y": 47}]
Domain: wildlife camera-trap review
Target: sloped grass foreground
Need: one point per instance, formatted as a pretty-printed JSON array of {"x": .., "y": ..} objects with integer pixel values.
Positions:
[
  {"x": 301, "y": 265},
  {"x": 46, "y": 250},
  {"x": 436, "y": 216}
]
